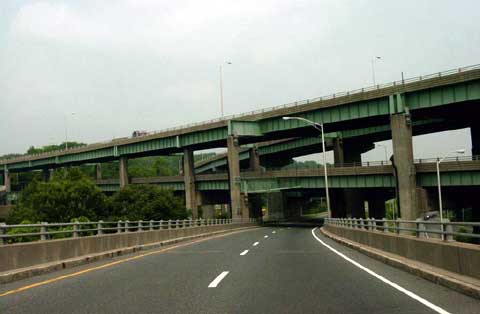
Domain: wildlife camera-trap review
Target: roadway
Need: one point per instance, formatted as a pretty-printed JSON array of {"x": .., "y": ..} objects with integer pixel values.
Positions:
[{"x": 285, "y": 270}]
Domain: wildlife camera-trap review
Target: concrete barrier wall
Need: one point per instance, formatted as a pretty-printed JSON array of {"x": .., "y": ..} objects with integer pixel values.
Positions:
[
  {"x": 20, "y": 255},
  {"x": 461, "y": 258}
]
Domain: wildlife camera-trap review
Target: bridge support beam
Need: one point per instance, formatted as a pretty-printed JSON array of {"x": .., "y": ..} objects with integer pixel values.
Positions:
[
  {"x": 189, "y": 180},
  {"x": 48, "y": 174},
  {"x": 254, "y": 161},
  {"x": 238, "y": 206},
  {"x": 353, "y": 203},
  {"x": 123, "y": 171},
  {"x": 400, "y": 125},
  {"x": 7, "y": 181},
  {"x": 98, "y": 171}
]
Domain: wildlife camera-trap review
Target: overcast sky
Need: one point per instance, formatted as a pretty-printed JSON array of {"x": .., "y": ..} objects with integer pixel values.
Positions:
[{"x": 150, "y": 64}]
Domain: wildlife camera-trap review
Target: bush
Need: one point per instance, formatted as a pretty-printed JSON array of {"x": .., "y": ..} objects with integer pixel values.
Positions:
[{"x": 146, "y": 202}]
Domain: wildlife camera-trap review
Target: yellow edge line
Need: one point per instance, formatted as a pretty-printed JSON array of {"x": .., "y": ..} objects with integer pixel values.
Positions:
[{"x": 78, "y": 273}]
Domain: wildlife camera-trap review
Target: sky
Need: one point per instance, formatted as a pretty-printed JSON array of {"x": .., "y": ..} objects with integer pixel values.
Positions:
[{"x": 93, "y": 70}]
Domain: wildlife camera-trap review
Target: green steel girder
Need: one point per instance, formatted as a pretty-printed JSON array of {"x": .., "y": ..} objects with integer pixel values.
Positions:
[
  {"x": 444, "y": 95},
  {"x": 454, "y": 178},
  {"x": 448, "y": 92},
  {"x": 345, "y": 112}
]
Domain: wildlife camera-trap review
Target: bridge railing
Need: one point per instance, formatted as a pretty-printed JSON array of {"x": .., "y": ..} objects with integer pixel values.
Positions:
[
  {"x": 269, "y": 109},
  {"x": 445, "y": 230},
  {"x": 51, "y": 231}
]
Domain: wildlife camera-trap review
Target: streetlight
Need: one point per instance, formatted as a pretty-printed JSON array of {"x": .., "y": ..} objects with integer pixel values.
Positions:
[
  {"x": 440, "y": 206},
  {"x": 221, "y": 86},
  {"x": 319, "y": 127},
  {"x": 373, "y": 68},
  {"x": 384, "y": 149},
  {"x": 65, "y": 116}
]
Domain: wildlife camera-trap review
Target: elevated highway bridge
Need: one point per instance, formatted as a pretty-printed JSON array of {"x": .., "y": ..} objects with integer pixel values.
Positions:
[{"x": 398, "y": 110}]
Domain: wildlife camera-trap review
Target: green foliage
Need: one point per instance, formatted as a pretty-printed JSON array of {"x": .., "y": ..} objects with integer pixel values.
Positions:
[
  {"x": 146, "y": 202},
  {"x": 50, "y": 148},
  {"x": 23, "y": 230},
  {"x": 462, "y": 238},
  {"x": 68, "y": 195}
]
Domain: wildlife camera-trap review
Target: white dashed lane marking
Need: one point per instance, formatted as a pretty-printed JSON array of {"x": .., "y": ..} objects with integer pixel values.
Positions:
[{"x": 217, "y": 280}]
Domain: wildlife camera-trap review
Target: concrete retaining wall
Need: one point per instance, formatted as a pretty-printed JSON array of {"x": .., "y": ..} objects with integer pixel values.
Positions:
[
  {"x": 461, "y": 258},
  {"x": 20, "y": 255}
]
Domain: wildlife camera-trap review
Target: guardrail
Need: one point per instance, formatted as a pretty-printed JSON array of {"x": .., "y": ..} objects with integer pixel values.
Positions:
[
  {"x": 445, "y": 230},
  {"x": 50, "y": 231},
  {"x": 264, "y": 110}
]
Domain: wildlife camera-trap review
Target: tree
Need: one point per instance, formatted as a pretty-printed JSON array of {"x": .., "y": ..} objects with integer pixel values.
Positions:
[
  {"x": 146, "y": 202},
  {"x": 68, "y": 195}
]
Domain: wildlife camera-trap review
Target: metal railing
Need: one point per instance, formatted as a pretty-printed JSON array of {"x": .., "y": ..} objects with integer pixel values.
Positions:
[
  {"x": 446, "y": 230},
  {"x": 51, "y": 231},
  {"x": 119, "y": 141}
]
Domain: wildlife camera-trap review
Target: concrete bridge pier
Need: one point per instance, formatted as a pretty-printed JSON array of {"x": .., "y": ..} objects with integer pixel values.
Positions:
[
  {"x": 123, "y": 171},
  {"x": 401, "y": 127},
  {"x": 98, "y": 171},
  {"x": 239, "y": 205},
  {"x": 7, "y": 180},
  {"x": 254, "y": 160},
  {"x": 189, "y": 181},
  {"x": 345, "y": 152},
  {"x": 48, "y": 174},
  {"x": 337, "y": 203}
]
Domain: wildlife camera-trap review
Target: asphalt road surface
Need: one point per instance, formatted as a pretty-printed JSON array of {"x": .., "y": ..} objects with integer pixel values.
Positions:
[{"x": 261, "y": 270}]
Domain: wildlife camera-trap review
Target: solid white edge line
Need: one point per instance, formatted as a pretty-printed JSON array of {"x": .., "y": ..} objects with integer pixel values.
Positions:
[
  {"x": 256, "y": 243},
  {"x": 385, "y": 280},
  {"x": 217, "y": 280},
  {"x": 244, "y": 252}
]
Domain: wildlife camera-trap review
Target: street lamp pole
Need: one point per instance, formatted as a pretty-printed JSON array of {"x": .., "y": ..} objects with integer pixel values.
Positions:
[
  {"x": 373, "y": 69},
  {"x": 221, "y": 88},
  {"x": 319, "y": 127},
  {"x": 440, "y": 203},
  {"x": 66, "y": 133}
]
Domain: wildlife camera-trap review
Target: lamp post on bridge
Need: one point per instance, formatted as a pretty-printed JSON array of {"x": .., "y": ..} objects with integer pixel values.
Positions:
[
  {"x": 319, "y": 127},
  {"x": 221, "y": 86},
  {"x": 65, "y": 116},
  {"x": 440, "y": 203},
  {"x": 374, "y": 59}
]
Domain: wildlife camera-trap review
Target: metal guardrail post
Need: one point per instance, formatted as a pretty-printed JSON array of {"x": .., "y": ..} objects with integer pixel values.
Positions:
[
  {"x": 374, "y": 224},
  {"x": 417, "y": 227},
  {"x": 76, "y": 230},
  {"x": 140, "y": 225},
  {"x": 160, "y": 225},
  {"x": 384, "y": 224},
  {"x": 43, "y": 231},
  {"x": 177, "y": 224},
  {"x": 369, "y": 224},
  {"x": 448, "y": 229},
  {"x": 397, "y": 226},
  {"x": 99, "y": 227},
  {"x": 127, "y": 226},
  {"x": 2, "y": 232},
  {"x": 119, "y": 226},
  {"x": 150, "y": 225},
  {"x": 169, "y": 224}
]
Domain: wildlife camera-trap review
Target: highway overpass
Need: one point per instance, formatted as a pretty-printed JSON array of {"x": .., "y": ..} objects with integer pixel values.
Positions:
[{"x": 398, "y": 108}]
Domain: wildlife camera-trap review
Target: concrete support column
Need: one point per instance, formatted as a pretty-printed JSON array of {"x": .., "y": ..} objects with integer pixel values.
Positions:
[
  {"x": 475, "y": 136},
  {"x": 98, "y": 170},
  {"x": 234, "y": 176},
  {"x": 189, "y": 181},
  {"x": 7, "y": 181},
  {"x": 254, "y": 163},
  {"x": 123, "y": 171},
  {"x": 48, "y": 174},
  {"x": 403, "y": 157},
  {"x": 338, "y": 155},
  {"x": 337, "y": 203}
]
